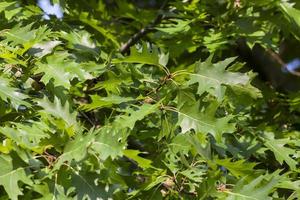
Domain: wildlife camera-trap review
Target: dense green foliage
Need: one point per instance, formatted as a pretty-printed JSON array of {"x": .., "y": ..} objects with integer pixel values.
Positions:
[{"x": 180, "y": 116}]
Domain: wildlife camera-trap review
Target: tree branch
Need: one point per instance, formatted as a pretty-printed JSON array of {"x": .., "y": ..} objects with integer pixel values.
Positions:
[{"x": 144, "y": 31}]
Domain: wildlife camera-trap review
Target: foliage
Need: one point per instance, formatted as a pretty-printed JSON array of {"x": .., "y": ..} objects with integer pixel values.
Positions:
[{"x": 179, "y": 116}]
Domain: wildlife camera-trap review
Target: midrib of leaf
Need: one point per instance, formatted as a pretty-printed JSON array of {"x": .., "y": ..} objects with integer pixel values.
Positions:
[
  {"x": 10, "y": 183},
  {"x": 176, "y": 145},
  {"x": 65, "y": 155},
  {"x": 35, "y": 135},
  {"x": 74, "y": 150},
  {"x": 207, "y": 192},
  {"x": 241, "y": 195},
  {"x": 188, "y": 95},
  {"x": 100, "y": 143},
  {"x": 13, "y": 35},
  {"x": 13, "y": 97},
  {"x": 213, "y": 79},
  {"x": 193, "y": 118},
  {"x": 59, "y": 72},
  {"x": 77, "y": 174},
  {"x": 12, "y": 172},
  {"x": 206, "y": 77}
]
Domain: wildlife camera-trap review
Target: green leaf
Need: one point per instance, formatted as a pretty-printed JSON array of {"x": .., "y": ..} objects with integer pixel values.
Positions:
[
  {"x": 195, "y": 174},
  {"x": 134, "y": 155},
  {"x": 43, "y": 48},
  {"x": 10, "y": 9},
  {"x": 75, "y": 149},
  {"x": 215, "y": 41},
  {"x": 293, "y": 16},
  {"x": 135, "y": 114},
  {"x": 291, "y": 185},
  {"x": 6, "y": 146},
  {"x": 179, "y": 146},
  {"x": 94, "y": 23},
  {"x": 145, "y": 124},
  {"x": 238, "y": 168},
  {"x": 59, "y": 111},
  {"x": 25, "y": 36},
  {"x": 27, "y": 136},
  {"x": 191, "y": 117},
  {"x": 55, "y": 69},
  {"x": 213, "y": 78},
  {"x": 176, "y": 26},
  {"x": 80, "y": 41},
  {"x": 10, "y": 93},
  {"x": 114, "y": 82},
  {"x": 10, "y": 176},
  {"x": 282, "y": 153},
  {"x": 146, "y": 54},
  {"x": 89, "y": 185},
  {"x": 258, "y": 189},
  {"x": 200, "y": 144},
  {"x": 101, "y": 102},
  {"x": 110, "y": 142}
]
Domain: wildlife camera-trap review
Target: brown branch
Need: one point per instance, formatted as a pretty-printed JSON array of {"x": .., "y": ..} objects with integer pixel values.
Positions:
[
  {"x": 144, "y": 31},
  {"x": 276, "y": 57},
  {"x": 268, "y": 64}
]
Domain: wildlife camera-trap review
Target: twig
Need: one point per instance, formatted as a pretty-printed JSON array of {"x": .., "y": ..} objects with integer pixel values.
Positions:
[
  {"x": 141, "y": 33},
  {"x": 161, "y": 84},
  {"x": 88, "y": 119},
  {"x": 276, "y": 57}
]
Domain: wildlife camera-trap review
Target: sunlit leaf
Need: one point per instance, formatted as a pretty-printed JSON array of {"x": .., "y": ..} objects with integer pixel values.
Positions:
[
  {"x": 192, "y": 118},
  {"x": 213, "y": 78},
  {"x": 61, "y": 74},
  {"x": 281, "y": 152},
  {"x": 11, "y": 175},
  {"x": 11, "y": 94}
]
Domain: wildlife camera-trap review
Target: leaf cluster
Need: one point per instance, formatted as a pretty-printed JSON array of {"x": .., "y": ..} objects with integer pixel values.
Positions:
[{"x": 180, "y": 116}]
